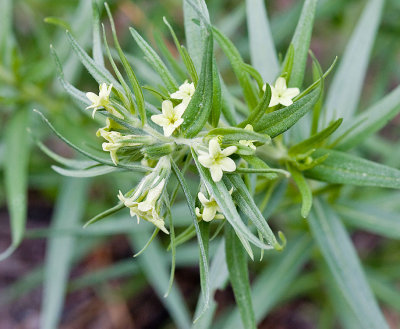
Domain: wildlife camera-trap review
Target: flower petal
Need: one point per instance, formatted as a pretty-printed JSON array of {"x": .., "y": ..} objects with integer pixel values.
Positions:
[
  {"x": 229, "y": 150},
  {"x": 92, "y": 97},
  {"x": 168, "y": 130},
  {"x": 202, "y": 198},
  {"x": 227, "y": 164},
  {"x": 286, "y": 101},
  {"x": 167, "y": 108},
  {"x": 206, "y": 161},
  {"x": 209, "y": 213},
  {"x": 291, "y": 92},
  {"x": 216, "y": 173},
  {"x": 274, "y": 101},
  {"x": 214, "y": 148},
  {"x": 280, "y": 84},
  {"x": 160, "y": 120}
]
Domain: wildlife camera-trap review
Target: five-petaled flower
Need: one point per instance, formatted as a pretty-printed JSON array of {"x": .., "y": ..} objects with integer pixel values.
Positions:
[
  {"x": 281, "y": 94},
  {"x": 217, "y": 160},
  {"x": 146, "y": 209},
  {"x": 171, "y": 117},
  {"x": 100, "y": 100},
  {"x": 248, "y": 143},
  {"x": 185, "y": 92}
]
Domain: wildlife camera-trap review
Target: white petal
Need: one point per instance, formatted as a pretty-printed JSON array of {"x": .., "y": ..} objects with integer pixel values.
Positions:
[
  {"x": 206, "y": 161},
  {"x": 280, "y": 83},
  {"x": 197, "y": 212},
  {"x": 229, "y": 150},
  {"x": 202, "y": 198},
  {"x": 291, "y": 92},
  {"x": 249, "y": 127},
  {"x": 209, "y": 213},
  {"x": 227, "y": 164},
  {"x": 214, "y": 147},
  {"x": 180, "y": 109},
  {"x": 274, "y": 101},
  {"x": 160, "y": 120},
  {"x": 286, "y": 101},
  {"x": 167, "y": 108},
  {"x": 177, "y": 95},
  {"x": 168, "y": 130},
  {"x": 178, "y": 122},
  {"x": 216, "y": 173},
  {"x": 144, "y": 206},
  {"x": 92, "y": 97}
]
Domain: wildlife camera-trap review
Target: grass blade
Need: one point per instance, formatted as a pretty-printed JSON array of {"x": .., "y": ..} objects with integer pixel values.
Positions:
[
  {"x": 344, "y": 93},
  {"x": 16, "y": 175},
  {"x": 344, "y": 264},
  {"x": 60, "y": 250},
  {"x": 262, "y": 48}
]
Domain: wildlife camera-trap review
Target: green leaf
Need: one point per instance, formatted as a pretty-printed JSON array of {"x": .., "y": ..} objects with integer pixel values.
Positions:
[
  {"x": 69, "y": 210},
  {"x": 273, "y": 281},
  {"x": 259, "y": 110},
  {"x": 344, "y": 93},
  {"x": 301, "y": 42},
  {"x": 277, "y": 122},
  {"x": 232, "y": 135},
  {"x": 133, "y": 167},
  {"x": 6, "y": 31},
  {"x": 203, "y": 245},
  {"x": 221, "y": 195},
  {"x": 236, "y": 260},
  {"x": 153, "y": 264},
  {"x": 70, "y": 89},
  {"x": 217, "y": 96},
  {"x": 200, "y": 106},
  {"x": 236, "y": 61},
  {"x": 262, "y": 48},
  {"x": 195, "y": 34},
  {"x": 96, "y": 36},
  {"x": 372, "y": 219},
  {"x": 304, "y": 189},
  {"x": 130, "y": 73},
  {"x": 342, "y": 168},
  {"x": 98, "y": 170},
  {"x": 155, "y": 61},
  {"x": 100, "y": 74},
  {"x": 58, "y": 22},
  {"x": 341, "y": 257},
  {"x": 246, "y": 204},
  {"x": 16, "y": 176},
  {"x": 316, "y": 139},
  {"x": 371, "y": 120}
]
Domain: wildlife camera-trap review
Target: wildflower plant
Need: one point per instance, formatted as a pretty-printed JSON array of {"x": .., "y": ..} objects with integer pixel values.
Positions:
[{"x": 244, "y": 150}]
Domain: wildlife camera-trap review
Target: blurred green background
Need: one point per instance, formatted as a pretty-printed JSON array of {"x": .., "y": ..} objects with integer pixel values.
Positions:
[{"x": 107, "y": 288}]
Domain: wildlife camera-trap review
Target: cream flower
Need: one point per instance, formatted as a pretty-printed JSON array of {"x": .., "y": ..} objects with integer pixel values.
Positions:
[
  {"x": 185, "y": 92},
  {"x": 216, "y": 160},
  {"x": 171, "y": 117},
  {"x": 281, "y": 94},
  {"x": 100, "y": 100},
  {"x": 248, "y": 143},
  {"x": 147, "y": 208},
  {"x": 210, "y": 208},
  {"x": 115, "y": 141}
]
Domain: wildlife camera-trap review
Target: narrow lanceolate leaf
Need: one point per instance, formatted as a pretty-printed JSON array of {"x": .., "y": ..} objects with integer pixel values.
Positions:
[
  {"x": 199, "y": 108},
  {"x": 232, "y": 134},
  {"x": 239, "y": 277},
  {"x": 155, "y": 61},
  {"x": 277, "y": 122},
  {"x": 344, "y": 93},
  {"x": 100, "y": 74},
  {"x": 272, "y": 283},
  {"x": 217, "y": 96},
  {"x": 16, "y": 176},
  {"x": 371, "y": 120},
  {"x": 97, "y": 51},
  {"x": 94, "y": 157},
  {"x": 153, "y": 264},
  {"x": 195, "y": 34},
  {"x": 344, "y": 264},
  {"x": 6, "y": 31},
  {"x": 370, "y": 218},
  {"x": 204, "y": 278},
  {"x": 316, "y": 139},
  {"x": 304, "y": 188},
  {"x": 70, "y": 89},
  {"x": 342, "y": 168},
  {"x": 60, "y": 249},
  {"x": 247, "y": 205},
  {"x": 89, "y": 172},
  {"x": 221, "y": 195},
  {"x": 301, "y": 42},
  {"x": 236, "y": 61},
  {"x": 262, "y": 48},
  {"x": 137, "y": 89}
]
